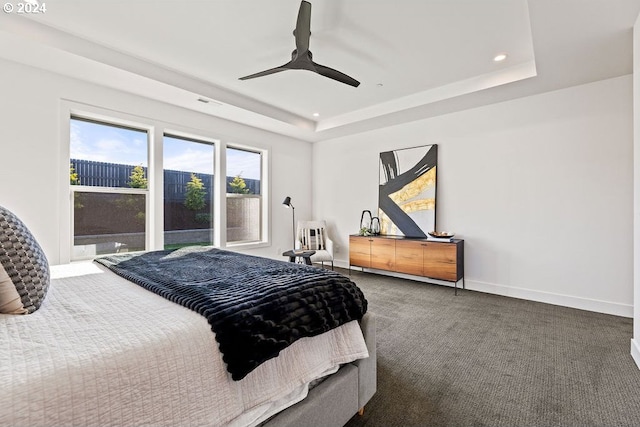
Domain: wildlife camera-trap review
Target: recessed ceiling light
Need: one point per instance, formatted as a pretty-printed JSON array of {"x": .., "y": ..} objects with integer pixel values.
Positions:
[
  {"x": 500, "y": 57},
  {"x": 209, "y": 101},
  {"x": 316, "y": 114}
]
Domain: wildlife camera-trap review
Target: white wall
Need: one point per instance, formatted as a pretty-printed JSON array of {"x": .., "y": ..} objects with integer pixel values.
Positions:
[
  {"x": 540, "y": 188},
  {"x": 635, "y": 341},
  {"x": 32, "y": 151}
]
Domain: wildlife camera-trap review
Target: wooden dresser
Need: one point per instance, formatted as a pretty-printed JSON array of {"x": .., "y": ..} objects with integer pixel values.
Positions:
[{"x": 418, "y": 257}]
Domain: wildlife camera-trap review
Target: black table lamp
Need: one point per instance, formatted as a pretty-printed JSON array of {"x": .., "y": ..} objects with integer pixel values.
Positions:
[{"x": 287, "y": 203}]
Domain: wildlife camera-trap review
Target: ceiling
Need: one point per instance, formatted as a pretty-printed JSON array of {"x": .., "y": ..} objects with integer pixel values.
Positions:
[{"x": 414, "y": 58}]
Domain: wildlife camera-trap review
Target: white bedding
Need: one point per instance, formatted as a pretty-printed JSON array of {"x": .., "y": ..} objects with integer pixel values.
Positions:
[{"x": 102, "y": 351}]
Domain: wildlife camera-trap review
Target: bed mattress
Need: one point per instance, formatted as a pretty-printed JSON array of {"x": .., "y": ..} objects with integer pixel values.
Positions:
[{"x": 102, "y": 351}]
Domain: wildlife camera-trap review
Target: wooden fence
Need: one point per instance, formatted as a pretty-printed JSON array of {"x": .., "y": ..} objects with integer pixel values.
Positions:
[{"x": 102, "y": 174}]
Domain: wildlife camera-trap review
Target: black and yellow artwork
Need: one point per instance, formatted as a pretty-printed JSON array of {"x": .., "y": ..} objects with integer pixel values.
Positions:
[{"x": 407, "y": 192}]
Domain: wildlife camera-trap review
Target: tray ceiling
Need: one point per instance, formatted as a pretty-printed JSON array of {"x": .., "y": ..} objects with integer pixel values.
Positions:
[{"x": 413, "y": 58}]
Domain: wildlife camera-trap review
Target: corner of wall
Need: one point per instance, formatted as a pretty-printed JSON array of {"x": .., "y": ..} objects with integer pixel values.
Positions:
[
  {"x": 635, "y": 345},
  {"x": 635, "y": 351}
]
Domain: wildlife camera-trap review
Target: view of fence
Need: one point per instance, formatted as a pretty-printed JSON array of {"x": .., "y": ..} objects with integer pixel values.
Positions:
[
  {"x": 112, "y": 219},
  {"x": 102, "y": 174}
]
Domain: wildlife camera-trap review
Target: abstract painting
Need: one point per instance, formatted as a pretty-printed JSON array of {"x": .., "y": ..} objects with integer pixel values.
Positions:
[{"x": 407, "y": 192}]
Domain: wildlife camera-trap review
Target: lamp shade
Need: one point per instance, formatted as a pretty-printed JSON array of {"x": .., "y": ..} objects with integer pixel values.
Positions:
[{"x": 287, "y": 203}]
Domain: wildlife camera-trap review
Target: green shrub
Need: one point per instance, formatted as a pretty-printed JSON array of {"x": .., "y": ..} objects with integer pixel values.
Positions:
[{"x": 194, "y": 199}]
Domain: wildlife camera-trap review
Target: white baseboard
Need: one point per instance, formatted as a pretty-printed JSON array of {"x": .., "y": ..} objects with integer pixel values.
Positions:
[
  {"x": 340, "y": 263},
  {"x": 598, "y": 306},
  {"x": 635, "y": 351}
]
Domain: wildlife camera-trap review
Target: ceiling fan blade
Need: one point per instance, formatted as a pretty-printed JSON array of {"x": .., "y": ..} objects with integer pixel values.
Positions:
[
  {"x": 301, "y": 58},
  {"x": 336, "y": 75},
  {"x": 302, "y": 32},
  {"x": 266, "y": 72}
]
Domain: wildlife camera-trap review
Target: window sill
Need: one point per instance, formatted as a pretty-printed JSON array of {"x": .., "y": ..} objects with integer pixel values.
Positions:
[{"x": 247, "y": 245}]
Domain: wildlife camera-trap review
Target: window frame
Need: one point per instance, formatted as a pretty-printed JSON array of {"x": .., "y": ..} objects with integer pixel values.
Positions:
[
  {"x": 109, "y": 190},
  {"x": 156, "y": 129},
  {"x": 166, "y": 133},
  {"x": 264, "y": 206}
]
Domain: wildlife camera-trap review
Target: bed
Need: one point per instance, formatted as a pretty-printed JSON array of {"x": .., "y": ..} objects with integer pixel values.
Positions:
[{"x": 103, "y": 351}]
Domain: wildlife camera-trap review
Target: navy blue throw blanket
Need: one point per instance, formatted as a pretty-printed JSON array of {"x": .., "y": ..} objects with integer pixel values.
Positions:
[{"x": 256, "y": 306}]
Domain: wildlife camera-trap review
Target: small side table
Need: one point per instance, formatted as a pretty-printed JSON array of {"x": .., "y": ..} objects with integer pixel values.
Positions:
[{"x": 306, "y": 255}]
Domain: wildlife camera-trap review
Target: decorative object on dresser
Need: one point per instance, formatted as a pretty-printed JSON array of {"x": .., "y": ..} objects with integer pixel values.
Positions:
[
  {"x": 407, "y": 191},
  {"x": 365, "y": 223},
  {"x": 375, "y": 225},
  {"x": 369, "y": 225},
  {"x": 414, "y": 256},
  {"x": 440, "y": 236}
]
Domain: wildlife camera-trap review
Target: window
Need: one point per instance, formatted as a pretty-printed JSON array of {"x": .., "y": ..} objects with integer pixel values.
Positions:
[
  {"x": 141, "y": 187},
  {"x": 108, "y": 177},
  {"x": 188, "y": 192},
  {"x": 244, "y": 196}
]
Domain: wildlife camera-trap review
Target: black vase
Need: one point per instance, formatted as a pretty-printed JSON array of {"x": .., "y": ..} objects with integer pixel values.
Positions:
[
  {"x": 375, "y": 225},
  {"x": 364, "y": 221}
]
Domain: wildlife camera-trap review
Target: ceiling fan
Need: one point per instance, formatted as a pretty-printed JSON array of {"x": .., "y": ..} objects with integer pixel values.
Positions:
[{"x": 301, "y": 57}]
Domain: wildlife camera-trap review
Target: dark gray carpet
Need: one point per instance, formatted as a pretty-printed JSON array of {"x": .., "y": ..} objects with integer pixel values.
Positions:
[{"x": 486, "y": 360}]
